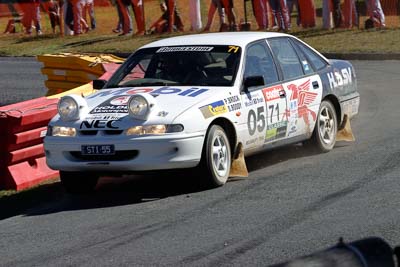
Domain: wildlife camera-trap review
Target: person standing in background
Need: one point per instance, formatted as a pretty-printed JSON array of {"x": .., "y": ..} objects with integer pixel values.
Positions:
[
  {"x": 214, "y": 6},
  {"x": 138, "y": 11},
  {"x": 88, "y": 8},
  {"x": 230, "y": 12},
  {"x": 126, "y": 16},
  {"x": 195, "y": 15},
  {"x": 350, "y": 14},
  {"x": 31, "y": 13},
  {"x": 260, "y": 13},
  {"x": 290, "y": 5},
  {"x": 173, "y": 16},
  {"x": 280, "y": 14},
  {"x": 375, "y": 12}
]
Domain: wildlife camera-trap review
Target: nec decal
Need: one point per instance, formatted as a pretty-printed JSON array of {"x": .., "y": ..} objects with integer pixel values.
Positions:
[
  {"x": 99, "y": 124},
  {"x": 340, "y": 78},
  {"x": 191, "y": 92}
]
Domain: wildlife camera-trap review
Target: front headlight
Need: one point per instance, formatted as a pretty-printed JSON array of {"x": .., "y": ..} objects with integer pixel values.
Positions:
[
  {"x": 140, "y": 106},
  {"x": 70, "y": 107},
  {"x": 155, "y": 129},
  {"x": 62, "y": 131}
]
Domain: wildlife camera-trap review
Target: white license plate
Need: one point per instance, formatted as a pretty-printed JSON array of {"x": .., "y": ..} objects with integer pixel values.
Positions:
[{"x": 97, "y": 150}]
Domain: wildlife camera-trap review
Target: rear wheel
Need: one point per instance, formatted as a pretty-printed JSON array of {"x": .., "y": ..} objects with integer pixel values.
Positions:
[
  {"x": 325, "y": 131},
  {"x": 216, "y": 160},
  {"x": 78, "y": 182}
]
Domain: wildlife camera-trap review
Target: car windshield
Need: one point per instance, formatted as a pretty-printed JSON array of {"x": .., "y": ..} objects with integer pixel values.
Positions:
[{"x": 179, "y": 65}]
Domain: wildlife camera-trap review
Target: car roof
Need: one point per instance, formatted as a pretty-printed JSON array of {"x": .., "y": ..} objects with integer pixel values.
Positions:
[{"x": 221, "y": 38}]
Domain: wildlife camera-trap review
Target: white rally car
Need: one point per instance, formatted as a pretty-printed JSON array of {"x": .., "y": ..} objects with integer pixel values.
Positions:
[{"x": 199, "y": 101}]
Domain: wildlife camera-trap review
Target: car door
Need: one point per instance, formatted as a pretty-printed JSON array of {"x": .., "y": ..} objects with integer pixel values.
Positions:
[
  {"x": 302, "y": 86},
  {"x": 265, "y": 102}
]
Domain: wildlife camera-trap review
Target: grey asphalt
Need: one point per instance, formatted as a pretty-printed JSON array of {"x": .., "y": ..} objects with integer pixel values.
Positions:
[{"x": 295, "y": 202}]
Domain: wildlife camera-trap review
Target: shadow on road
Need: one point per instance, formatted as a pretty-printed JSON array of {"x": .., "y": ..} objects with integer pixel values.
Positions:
[{"x": 110, "y": 192}]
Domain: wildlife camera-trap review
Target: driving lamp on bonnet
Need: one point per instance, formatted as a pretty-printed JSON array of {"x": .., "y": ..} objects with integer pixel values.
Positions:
[
  {"x": 141, "y": 105},
  {"x": 70, "y": 107}
]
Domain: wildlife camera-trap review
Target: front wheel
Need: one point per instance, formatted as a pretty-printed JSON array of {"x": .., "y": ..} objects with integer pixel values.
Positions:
[
  {"x": 78, "y": 182},
  {"x": 216, "y": 160},
  {"x": 325, "y": 131}
]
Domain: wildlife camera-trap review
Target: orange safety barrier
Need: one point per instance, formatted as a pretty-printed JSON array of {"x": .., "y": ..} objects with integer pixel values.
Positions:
[{"x": 23, "y": 127}]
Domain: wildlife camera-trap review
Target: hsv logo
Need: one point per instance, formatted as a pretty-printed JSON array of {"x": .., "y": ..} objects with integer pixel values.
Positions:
[
  {"x": 339, "y": 78},
  {"x": 272, "y": 93},
  {"x": 301, "y": 98}
]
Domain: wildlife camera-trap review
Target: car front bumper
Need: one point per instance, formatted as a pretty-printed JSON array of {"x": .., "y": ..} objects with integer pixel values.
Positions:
[{"x": 131, "y": 153}]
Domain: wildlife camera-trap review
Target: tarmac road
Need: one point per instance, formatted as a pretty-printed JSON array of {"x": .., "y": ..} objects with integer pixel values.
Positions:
[{"x": 294, "y": 203}]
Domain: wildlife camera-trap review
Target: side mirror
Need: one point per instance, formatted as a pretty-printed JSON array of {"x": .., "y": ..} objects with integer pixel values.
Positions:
[
  {"x": 99, "y": 84},
  {"x": 252, "y": 81}
]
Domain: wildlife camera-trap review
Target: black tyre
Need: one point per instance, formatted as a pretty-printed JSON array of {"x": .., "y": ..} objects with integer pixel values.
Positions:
[
  {"x": 216, "y": 160},
  {"x": 324, "y": 136},
  {"x": 78, "y": 182}
]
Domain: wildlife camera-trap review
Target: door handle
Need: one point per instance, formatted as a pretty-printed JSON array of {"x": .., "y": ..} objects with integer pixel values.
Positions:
[
  {"x": 315, "y": 85},
  {"x": 282, "y": 94}
]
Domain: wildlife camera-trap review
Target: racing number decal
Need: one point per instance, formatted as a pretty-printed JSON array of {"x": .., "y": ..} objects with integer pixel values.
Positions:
[
  {"x": 233, "y": 49},
  {"x": 256, "y": 121},
  {"x": 272, "y": 108}
]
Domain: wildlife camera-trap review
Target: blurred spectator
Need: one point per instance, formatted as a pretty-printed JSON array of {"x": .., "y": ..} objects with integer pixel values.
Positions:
[
  {"x": 331, "y": 13},
  {"x": 280, "y": 14},
  {"x": 53, "y": 10},
  {"x": 290, "y": 5},
  {"x": 88, "y": 8},
  {"x": 230, "y": 12},
  {"x": 80, "y": 24},
  {"x": 161, "y": 25},
  {"x": 31, "y": 13},
  {"x": 195, "y": 15},
  {"x": 174, "y": 17},
  {"x": 118, "y": 28},
  {"x": 126, "y": 16},
  {"x": 214, "y": 6},
  {"x": 260, "y": 13},
  {"x": 137, "y": 6},
  {"x": 350, "y": 14},
  {"x": 306, "y": 13},
  {"x": 375, "y": 13}
]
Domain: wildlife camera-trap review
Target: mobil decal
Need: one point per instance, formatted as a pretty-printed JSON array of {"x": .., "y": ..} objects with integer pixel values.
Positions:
[
  {"x": 213, "y": 109},
  {"x": 340, "y": 78},
  {"x": 300, "y": 100},
  {"x": 190, "y": 92}
]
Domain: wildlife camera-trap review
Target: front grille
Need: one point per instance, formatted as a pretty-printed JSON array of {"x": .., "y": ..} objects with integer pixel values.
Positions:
[
  {"x": 118, "y": 156},
  {"x": 105, "y": 132}
]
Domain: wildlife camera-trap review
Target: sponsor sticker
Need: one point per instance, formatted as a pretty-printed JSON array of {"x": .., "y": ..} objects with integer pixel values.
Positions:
[
  {"x": 214, "y": 109},
  {"x": 184, "y": 49},
  {"x": 115, "y": 105},
  {"x": 272, "y": 93},
  {"x": 276, "y": 130}
]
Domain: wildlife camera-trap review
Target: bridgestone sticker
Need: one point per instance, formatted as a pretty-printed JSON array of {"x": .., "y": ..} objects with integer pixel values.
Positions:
[{"x": 185, "y": 49}]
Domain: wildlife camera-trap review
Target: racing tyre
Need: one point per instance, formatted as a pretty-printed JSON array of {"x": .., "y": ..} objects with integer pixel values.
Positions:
[
  {"x": 216, "y": 158},
  {"x": 78, "y": 182},
  {"x": 324, "y": 136}
]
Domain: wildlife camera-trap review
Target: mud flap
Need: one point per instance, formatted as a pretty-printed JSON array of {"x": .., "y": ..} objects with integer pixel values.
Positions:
[
  {"x": 238, "y": 166},
  {"x": 345, "y": 133}
]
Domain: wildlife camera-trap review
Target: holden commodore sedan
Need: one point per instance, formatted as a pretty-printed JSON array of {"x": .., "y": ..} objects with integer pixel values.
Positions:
[{"x": 197, "y": 102}]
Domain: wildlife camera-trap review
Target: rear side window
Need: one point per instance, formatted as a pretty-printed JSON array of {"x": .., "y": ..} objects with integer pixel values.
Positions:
[
  {"x": 315, "y": 59},
  {"x": 286, "y": 57}
]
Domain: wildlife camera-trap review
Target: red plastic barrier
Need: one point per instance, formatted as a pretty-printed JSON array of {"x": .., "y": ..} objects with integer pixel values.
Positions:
[
  {"x": 27, "y": 174},
  {"x": 23, "y": 126},
  {"x": 109, "y": 69}
]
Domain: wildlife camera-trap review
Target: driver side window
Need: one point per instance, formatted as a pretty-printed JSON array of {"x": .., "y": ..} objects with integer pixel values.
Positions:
[{"x": 259, "y": 62}]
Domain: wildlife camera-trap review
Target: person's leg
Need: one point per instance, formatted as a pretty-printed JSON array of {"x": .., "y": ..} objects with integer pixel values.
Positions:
[{"x": 139, "y": 15}]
